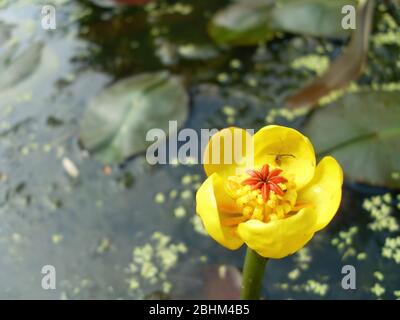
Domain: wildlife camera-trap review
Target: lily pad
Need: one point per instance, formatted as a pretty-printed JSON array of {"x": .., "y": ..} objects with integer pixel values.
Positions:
[
  {"x": 116, "y": 122},
  {"x": 242, "y": 23},
  {"x": 362, "y": 131},
  {"x": 319, "y": 18},
  {"x": 254, "y": 21},
  {"x": 15, "y": 68}
]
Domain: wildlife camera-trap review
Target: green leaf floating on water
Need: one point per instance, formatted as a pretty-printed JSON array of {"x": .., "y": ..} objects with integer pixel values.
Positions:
[
  {"x": 242, "y": 23},
  {"x": 15, "y": 68},
  {"x": 253, "y": 21},
  {"x": 321, "y": 18},
  {"x": 362, "y": 131},
  {"x": 116, "y": 122}
]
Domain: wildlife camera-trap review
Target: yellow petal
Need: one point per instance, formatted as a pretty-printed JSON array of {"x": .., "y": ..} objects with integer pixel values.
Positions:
[
  {"x": 225, "y": 203},
  {"x": 288, "y": 149},
  {"x": 226, "y": 151},
  {"x": 279, "y": 238},
  {"x": 213, "y": 217},
  {"x": 324, "y": 191}
]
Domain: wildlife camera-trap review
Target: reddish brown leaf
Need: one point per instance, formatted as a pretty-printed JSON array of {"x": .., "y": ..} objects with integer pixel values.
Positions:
[{"x": 346, "y": 68}]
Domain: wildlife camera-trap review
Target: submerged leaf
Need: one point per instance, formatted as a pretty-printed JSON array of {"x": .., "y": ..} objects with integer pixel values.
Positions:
[
  {"x": 116, "y": 122},
  {"x": 5, "y": 32},
  {"x": 362, "y": 131},
  {"x": 15, "y": 68},
  {"x": 222, "y": 282}
]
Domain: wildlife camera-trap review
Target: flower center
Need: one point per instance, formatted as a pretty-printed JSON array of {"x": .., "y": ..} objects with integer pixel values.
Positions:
[
  {"x": 266, "y": 181},
  {"x": 263, "y": 194}
]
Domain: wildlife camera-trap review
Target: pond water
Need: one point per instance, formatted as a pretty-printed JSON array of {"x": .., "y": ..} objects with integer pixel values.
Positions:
[{"x": 130, "y": 231}]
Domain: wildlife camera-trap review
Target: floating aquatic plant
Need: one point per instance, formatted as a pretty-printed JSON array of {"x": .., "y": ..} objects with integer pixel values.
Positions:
[{"x": 274, "y": 199}]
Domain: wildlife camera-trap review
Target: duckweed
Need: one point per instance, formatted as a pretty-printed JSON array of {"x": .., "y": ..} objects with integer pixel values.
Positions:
[
  {"x": 380, "y": 209},
  {"x": 344, "y": 241},
  {"x": 317, "y": 63},
  {"x": 198, "y": 225},
  {"x": 391, "y": 249},
  {"x": 180, "y": 212},
  {"x": 152, "y": 262},
  {"x": 378, "y": 290}
]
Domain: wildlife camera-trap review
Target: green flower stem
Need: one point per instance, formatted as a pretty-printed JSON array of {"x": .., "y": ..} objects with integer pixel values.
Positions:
[{"x": 253, "y": 274}]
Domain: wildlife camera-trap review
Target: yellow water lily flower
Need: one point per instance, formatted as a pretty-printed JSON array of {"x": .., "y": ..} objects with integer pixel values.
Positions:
[{"x": 275, "y": 199}]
